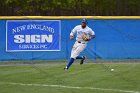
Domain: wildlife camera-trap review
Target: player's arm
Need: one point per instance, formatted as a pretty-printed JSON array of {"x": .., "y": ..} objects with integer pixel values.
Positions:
[
  {"x": 71, "y": 37},
  {"x": 72, "y": 33},
  {"x": 92, "y": 35}
]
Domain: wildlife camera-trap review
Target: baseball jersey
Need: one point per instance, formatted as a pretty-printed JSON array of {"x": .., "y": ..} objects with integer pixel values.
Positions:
[{"x": 78, "y": 30}]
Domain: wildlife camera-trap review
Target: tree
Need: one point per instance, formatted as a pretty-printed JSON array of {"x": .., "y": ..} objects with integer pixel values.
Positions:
[{"x": 69, "y": 7}]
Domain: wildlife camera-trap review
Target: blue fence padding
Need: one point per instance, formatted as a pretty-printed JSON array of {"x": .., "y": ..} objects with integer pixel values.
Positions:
[
  {"x": 115, "y": 39},
  {"x": 118, "y": 38}
]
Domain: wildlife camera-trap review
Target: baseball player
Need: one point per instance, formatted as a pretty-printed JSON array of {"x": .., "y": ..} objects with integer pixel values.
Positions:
[{"x": 83, "y": 35}]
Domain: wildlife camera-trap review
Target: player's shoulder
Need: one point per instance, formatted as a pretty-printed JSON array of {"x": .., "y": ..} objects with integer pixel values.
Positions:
[
  {"x": 89, "y": 28},
  {"x": 78, "y": 26}
]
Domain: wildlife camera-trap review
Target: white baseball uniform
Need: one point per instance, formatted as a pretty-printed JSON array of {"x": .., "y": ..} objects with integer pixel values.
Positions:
[{"x": 80, "y": 44}]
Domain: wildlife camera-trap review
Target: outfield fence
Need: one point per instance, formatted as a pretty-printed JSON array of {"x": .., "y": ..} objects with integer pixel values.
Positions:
[{"x": 117, "y": 37}]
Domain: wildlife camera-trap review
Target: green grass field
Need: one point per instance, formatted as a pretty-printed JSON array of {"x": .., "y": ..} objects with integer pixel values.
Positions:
[{"x": 87, "y": 78}]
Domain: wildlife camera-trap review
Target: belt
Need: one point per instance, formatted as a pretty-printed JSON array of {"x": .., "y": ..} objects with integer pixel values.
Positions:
[{"x": 81, "y": 42}]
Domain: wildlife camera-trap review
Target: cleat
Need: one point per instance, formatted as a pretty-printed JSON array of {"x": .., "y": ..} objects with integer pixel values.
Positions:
[
  {"x": 65, "y": 68},
  {"x": 82, "y": 60}
]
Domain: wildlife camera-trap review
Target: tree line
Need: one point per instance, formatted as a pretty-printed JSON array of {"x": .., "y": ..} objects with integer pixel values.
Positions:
[{"x": 69, "y": 7}]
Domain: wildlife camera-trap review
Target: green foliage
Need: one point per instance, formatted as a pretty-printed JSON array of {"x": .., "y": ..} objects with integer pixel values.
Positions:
[{"x": 69, "y": 7}]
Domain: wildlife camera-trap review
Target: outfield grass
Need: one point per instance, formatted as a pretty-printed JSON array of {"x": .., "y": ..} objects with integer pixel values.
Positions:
[{"x": 87, "y": 78}]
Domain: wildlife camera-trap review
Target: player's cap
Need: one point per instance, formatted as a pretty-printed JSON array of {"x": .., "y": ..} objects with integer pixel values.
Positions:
[{"x": 84, "y": 21}]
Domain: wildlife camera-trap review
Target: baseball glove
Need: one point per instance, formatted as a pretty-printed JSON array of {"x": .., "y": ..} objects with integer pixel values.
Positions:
[{"x": 85, "y": 37}]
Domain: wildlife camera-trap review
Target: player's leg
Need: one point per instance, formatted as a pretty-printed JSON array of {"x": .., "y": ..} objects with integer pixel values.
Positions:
[
  {"x": 81, "y": 48},
  {"x": 77, "y": 49},
  {"x": 82, "y": 59},
  {"x": 75, "y": 54},
  {"x": 69, "y": 63},
  {"x": 79, "y": 57},
  {"x": 72, "y": 56}
]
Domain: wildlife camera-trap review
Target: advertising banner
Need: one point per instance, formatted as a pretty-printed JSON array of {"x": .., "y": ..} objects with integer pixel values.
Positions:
[{"x": 33, "y": 35}]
